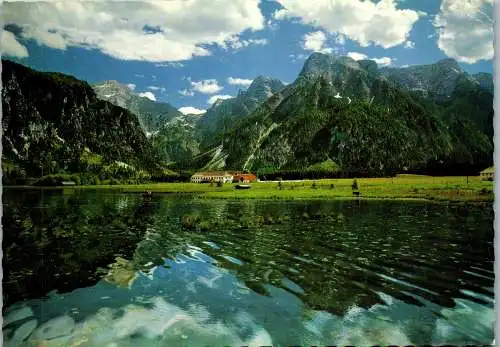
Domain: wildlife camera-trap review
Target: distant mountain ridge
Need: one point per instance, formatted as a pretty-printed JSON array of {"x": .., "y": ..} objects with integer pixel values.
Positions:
[
  {"x": 176, "y": 140},
  {"x": 437, "y": 80},
  {"x": 223, "y": 113},
  {"x": 485, "y": 81},
  {"x": 152, "y": 115}
]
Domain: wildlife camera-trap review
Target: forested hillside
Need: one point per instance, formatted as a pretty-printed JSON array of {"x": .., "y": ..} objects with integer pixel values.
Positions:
[{"x": 54, "y": 123}]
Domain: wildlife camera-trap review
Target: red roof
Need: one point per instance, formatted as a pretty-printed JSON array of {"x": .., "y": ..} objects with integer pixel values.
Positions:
[{"x": 246, "y": 177}]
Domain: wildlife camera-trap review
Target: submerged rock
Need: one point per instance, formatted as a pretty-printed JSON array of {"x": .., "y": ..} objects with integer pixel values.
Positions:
[
  {"x": 122, "y": 273},
  {"x": 54, "y": 328},
  {"x": 18, "y": 315},
  {"x": 260, "y": 338},
  {"x": 22, "y": 333}
]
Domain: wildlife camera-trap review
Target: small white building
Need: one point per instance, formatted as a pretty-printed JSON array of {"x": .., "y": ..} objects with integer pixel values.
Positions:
[
  {"x": 216, "y": 176},
  {"x": 488, "y": 174}
]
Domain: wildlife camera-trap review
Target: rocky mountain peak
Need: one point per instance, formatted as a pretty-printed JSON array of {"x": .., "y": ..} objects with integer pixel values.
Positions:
[
  {"x": 152, "y": 115},
  {"x": 369, "y": 65},
  {"x": 263, "y": 87},
  {"x": 111, "y": 82},
  {"x": 113, "y": 85},
  {"x": 317, "y": 63},
  {"x": 439, "y": 79},
  {"x": 449, "y": 63},
  {"x": 331, "y": 67}
]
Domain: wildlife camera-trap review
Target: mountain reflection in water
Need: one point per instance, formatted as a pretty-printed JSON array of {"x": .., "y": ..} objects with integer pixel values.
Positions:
[{"x": 104, "y": 268}]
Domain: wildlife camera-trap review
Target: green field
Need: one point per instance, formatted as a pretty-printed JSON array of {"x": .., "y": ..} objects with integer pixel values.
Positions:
[{"x": 400, "y": 187}]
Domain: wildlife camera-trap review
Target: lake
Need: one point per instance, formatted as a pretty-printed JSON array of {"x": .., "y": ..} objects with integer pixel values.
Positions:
[{"x": 103, "y": 268}]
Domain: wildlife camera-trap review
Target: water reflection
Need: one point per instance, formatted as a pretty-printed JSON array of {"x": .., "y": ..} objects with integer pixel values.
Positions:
[
  {"x": 54, "y": 240},
  {"x": 288, "y": 272}
]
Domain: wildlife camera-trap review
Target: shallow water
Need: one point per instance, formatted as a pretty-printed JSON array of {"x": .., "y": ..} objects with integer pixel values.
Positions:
[{"x": 100, "y": 268}]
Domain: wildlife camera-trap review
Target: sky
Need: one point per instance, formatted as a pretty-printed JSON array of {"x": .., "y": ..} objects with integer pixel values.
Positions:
[{"x": 192, "y": 52}]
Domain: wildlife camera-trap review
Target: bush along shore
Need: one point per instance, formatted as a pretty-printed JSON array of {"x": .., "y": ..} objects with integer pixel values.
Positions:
[{"x": 455, "y": 188}]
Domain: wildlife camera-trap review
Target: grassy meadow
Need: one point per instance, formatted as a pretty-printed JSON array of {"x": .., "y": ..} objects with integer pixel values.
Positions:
[{"x": 455, "y": 188}]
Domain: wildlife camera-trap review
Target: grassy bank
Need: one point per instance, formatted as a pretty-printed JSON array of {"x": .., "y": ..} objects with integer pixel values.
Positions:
[{"x": 401, "y": 187}]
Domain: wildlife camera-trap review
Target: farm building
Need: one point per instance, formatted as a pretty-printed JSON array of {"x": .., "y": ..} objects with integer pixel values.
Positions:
[
  {"x": 488, "y": 174},
  {"x": 244, "y": 178},
  {"x": 215, "y": 176}
]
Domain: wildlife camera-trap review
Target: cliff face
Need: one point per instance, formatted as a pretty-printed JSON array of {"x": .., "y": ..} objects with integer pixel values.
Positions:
[
  {"x": 152, "y": 115},
  {"x": 225, "y": 113},
  {"x": 50, "y": 119},
  {"x": 176, "y": 140},
  {"x": 436, "y": 81}
]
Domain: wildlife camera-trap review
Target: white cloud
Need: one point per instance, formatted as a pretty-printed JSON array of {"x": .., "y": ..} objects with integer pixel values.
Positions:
[
  {"x": 186, "y": 92},
  {"x": 214, "y": 98},
  {"x": 191, "y": 110},
  {"x": 155, "y": 88},
  {"x": 409, "y": 44},
  {"x": 239, "y": 81},
  {"x": 139, "y": 75},
  {"x": 148, "y": 95},
  {"x": 365, "y": 22},
  {"x": 281, "y": 14},
  {"x": 11, "y": 47},
  {"x": 340, "y": 39},
  {"x": 170, "y": 64},
  {"x": 236, "y": 43},
  {"x": 383, "y": 61},
  {"x": 46, "y": 38},
  {"x": 210, "y": 86},
  {"x": 157, "y": 31},
  {"x": 465, "y": 29},
  {"x": 131, "y": 86},
  {"x": 315, "y": 41},
  {"x": 272, "y": 25},
  {"x": 258, "y": 41},
  {"x": 357, "y": 56}
]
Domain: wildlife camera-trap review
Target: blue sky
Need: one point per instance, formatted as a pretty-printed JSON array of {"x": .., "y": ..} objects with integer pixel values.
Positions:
[{"x": 189, "y": 54}]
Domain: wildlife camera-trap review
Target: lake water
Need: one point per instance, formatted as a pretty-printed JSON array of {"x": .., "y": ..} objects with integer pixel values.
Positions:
[{"x": 101, "y": 268}]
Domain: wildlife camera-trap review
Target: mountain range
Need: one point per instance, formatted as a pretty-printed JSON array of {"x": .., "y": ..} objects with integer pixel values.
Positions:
[
  {"x": 431, "y": 118},
  {"x": 339, "y": 113}
]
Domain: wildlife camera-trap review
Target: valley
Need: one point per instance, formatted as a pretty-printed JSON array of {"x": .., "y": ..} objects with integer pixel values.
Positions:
[{"x": 339, "y": 118}]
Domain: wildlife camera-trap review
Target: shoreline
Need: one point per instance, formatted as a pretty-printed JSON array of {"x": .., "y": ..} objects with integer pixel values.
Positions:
[{"x": 417, "y": 188}]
